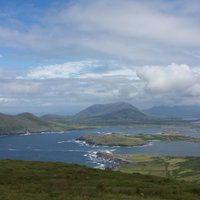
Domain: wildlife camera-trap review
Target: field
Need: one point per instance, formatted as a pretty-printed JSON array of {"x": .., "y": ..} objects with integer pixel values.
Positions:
[
  {"x": 28, "y": 180},
  {"x": 183, "y": 168}
]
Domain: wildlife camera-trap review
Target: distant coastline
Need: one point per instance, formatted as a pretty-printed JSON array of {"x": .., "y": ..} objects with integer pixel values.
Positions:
[{"x": 125, "y": 140}]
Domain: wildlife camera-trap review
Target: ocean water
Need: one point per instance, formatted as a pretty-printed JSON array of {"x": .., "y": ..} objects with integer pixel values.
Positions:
[{"x": 64, "y": 147}]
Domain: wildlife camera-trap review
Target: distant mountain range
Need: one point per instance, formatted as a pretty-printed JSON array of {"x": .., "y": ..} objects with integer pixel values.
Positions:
[
  {"x": 120, "y": 113},
  {"x": 102, "y": 114},
  {"x": 112, "y": 114},
  {"x": 175, "y": 111}
]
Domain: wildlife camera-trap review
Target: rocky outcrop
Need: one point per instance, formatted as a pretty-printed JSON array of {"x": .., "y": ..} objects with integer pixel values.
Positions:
[{"x": 117, "y": 161}]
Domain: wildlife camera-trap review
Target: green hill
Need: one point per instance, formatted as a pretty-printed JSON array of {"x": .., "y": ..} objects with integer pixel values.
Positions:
[
  {"x": 98, "y": 115},
  {"x": 107, "y": 109},
  {"x": 112, "y": 114},
  {"x": 30, "y": 180},
  {"x": 10, "y": 124}
]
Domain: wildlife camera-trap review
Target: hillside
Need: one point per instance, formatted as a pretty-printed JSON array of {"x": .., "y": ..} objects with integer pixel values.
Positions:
[
  {"x": 112, "y": 114},
  {"x": 55, "y": 118},
  {"x": 101, "y": 114},
  {"x": 177, "y": 167},
  {"x": 108, "y": 109},
  {"x": 10, "y": 124},
  {"x": 120, "y": 113},
  {"x": 30, "y": 180}
]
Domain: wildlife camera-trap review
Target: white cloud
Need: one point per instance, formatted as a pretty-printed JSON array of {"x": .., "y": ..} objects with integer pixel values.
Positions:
[
  {"x": 75, "y": 85},
  {"x": 138, "y": 31},
  {"x": 6, "y": 100},
  {"x": 71, "y": 83},
  {"x": 173, "y": 78},
  {"x": 194, "y": 91},
  {"x": 66, "y": 70},
  {"x": 81, "y": 69},
  {"x": 94, "y": 33},
  {"x": 131, "y": 19}
]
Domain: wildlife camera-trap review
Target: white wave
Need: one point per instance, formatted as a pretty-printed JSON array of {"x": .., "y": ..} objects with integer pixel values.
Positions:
[
  {"x": 81, "y": 143},
  {"x": 12, "y": 149},
  {"x": 99, "y": 162},
  {"x": 60, "y": 142},
  {"x": 36, "y": 149},
  {"x": 109, "y": 133},
  {"x": 72, "y": 150},
  {"x": 147, "y": 145},
  {"x": 65, "y": 141},
  {"x": 61, "y": 132},
  {"x": 27, "y": 134},
  {"x": 100, "y": 166},
  {"x": 109, "y": 152}
]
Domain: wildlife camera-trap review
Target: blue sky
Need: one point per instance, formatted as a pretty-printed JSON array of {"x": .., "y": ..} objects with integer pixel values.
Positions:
[{"x": 59, "y": 56}]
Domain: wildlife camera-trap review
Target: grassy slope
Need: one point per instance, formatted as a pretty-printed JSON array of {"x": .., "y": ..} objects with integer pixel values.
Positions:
[
  {"x": 13, "y": 124},
  {"x": 26, "y": 121},
  {"x": 186, "y": 168},
  {"x": 126, "y": 117},
  {"x": 112, "y": 140},
  {"x": 117, "y": 139},
  {"x": 27, "y": 180}
]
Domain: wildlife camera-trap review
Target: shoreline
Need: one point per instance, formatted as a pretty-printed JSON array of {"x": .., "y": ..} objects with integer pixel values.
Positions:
[{"x": 116, "y": 162}]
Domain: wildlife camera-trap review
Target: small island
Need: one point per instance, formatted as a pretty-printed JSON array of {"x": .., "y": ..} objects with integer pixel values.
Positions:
[
  {"x": 124, "y": 140},
  {"x": 113, "y": 139}
]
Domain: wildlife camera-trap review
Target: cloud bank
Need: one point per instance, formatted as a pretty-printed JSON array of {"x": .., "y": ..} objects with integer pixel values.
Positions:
[
  {"x": 173, "y": 78},
  {"x": 78, "y": 84},
  {"x": 160, "y": 32},
  {"x": 85, "y": 52}
]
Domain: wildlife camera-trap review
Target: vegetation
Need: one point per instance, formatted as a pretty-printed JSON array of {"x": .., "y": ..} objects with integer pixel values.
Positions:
[
  {"x": 113, "y": 114},
  {"x": 30, "y": 180},
  {"x": 27, "y": 122},
  {"x": 99, "y": 115},
  {"x": 174, "y": 132},
  {"x": 14, "y": 124},
  {"x": 184, "y": 168},
  {"x": 119, "y": 139}
]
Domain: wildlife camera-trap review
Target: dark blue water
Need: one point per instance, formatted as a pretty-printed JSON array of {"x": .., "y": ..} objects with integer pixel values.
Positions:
[{"x": 63, "y": 147}]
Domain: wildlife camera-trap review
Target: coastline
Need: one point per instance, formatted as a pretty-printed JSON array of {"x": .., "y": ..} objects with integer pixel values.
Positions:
[{"x": 116, "y": 162}]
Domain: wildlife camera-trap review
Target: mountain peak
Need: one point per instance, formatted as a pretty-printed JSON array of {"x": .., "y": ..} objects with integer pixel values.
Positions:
[{"x": 105, "y": 109}]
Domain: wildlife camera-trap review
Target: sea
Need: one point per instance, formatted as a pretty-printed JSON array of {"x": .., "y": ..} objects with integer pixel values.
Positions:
[{"x": 63, "y": 146}]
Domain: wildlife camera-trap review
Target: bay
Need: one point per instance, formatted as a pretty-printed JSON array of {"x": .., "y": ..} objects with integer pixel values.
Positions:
[{"x": 63, "y": 147}]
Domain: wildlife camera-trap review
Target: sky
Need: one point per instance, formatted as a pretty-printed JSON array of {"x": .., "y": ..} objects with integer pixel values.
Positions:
[{"x": 60, "y": 56}]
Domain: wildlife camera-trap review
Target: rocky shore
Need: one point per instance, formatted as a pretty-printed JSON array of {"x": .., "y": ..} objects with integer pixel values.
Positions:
[{"x": 116, "y": 161}]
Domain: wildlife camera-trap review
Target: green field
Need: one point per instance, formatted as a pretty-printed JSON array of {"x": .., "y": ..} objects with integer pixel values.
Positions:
[
  {"x": 119, "y": 139},
  {"x": 28, "y": 180},
  {"x": 184, "y": 168}
]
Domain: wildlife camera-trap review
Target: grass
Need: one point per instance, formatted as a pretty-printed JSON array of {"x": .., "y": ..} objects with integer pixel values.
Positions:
[
  {"x": 28, "y": 180},
  {"x": 118, "y": 139},
  {"x": 113, "y": 140},
  {"x": 175, "y": 132},
  {"x": 184, "y": 168}
]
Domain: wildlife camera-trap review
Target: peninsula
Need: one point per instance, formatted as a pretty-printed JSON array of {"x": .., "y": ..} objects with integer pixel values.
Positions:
[{"x": 120, "y": 139}]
